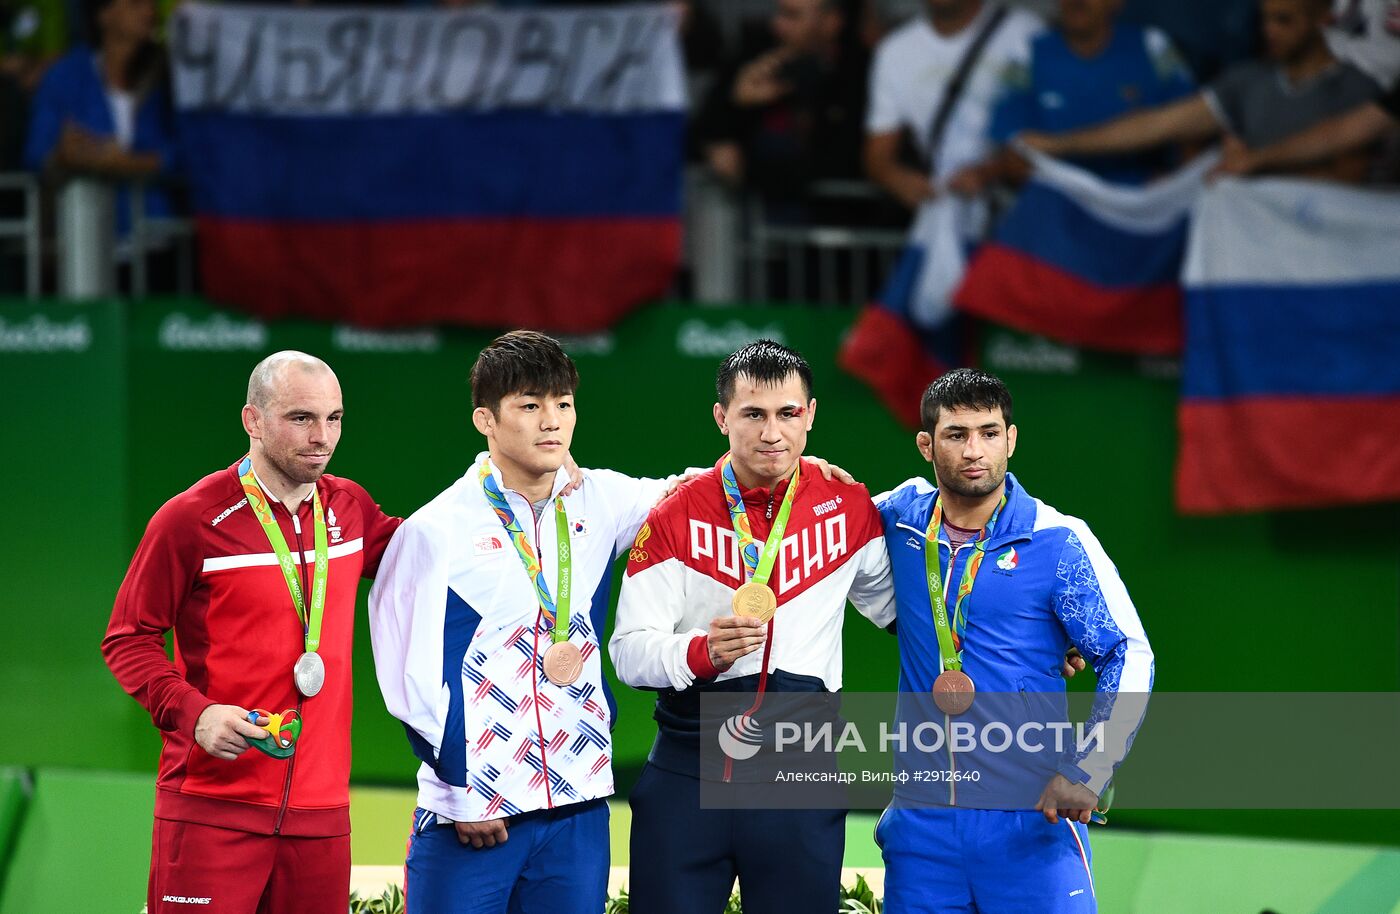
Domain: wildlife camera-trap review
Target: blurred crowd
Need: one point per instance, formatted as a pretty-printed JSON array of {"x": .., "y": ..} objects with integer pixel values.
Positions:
[
  {"x": 921, "y": 97},
  {"x": 837, "y": 93}
]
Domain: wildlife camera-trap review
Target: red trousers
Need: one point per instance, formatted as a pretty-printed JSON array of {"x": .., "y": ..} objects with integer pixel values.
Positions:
[{"x": 202, "y": 869}]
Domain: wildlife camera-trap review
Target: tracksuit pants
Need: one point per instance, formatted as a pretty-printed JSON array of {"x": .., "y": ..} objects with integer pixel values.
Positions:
[
  {"x": 684, "y": 858},
  {"x": 984, "y": 861},
  {"x": 196, "y": 867},
  {"x": 554, "y": 861}
]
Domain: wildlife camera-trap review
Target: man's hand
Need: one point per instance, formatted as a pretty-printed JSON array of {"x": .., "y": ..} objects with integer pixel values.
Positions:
[
  {"x": 727, "y": 161},
  {"x": 1063, "y": 799},
  {"x": 575, "y": 475},
  {"x": 1073, "y": 663},
  {"x": 223, "y": 731},
  {"x": 482, "y": 834},
  {"x": 969, "y": 181},
  {"x": 760, "y": 82},
  {"x": 1235, "y": 158},
  {"x": 912, "y": 188},
  {"x": 830, "y": 470},
  {"x": 1042, "y": 142},
  {"x": 731, "y": 637}
]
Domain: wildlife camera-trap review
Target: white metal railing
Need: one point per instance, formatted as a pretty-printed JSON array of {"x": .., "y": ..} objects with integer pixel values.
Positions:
[
  {"x": 24, "y": 231},
  {"x": 735, "y": 248},
  {"x": 848, "y": 262},
  {"x": 149, "y": 233},
  {"x": 732, "y": 244},
  {"x": 85, "y": 239},
  {"x": 85, "y": 248}
]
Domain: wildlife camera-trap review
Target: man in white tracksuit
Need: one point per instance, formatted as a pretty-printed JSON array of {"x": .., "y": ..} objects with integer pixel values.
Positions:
[{"x": 486, "y": 617}]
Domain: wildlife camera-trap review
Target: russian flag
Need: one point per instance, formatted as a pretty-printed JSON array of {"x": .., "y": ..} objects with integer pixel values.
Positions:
[
  {"x": 1291, "y": 379},
  {"x": 480, "y": 167},
  {"x": 911, "y": 334},
  {"x": 1086, "y": 262}
]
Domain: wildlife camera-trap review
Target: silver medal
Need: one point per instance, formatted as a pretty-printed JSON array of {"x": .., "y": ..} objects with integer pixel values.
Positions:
[{"x": 309, "y": 673}]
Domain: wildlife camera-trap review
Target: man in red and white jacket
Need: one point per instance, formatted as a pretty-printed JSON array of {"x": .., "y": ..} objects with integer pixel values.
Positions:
[
  {"x": 678, "y": 633},
  {"x": 238, "y": 831}
]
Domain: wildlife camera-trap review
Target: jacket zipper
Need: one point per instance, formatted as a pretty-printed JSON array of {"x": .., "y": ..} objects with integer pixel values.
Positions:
[
  {"x": 947, "y": 583},
  {"x": 534, "y": 676},
  {"x": 287, "y": 784},
  {"x": 292, "y": 761},
  {"x": 768, "y": 511}
]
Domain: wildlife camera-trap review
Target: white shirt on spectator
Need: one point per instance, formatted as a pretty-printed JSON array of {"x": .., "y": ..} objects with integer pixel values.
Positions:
[
  {"x": 914, "y": 63},
  {"x": 123, "y": 105},
  {"x": 907, "y": 80}
]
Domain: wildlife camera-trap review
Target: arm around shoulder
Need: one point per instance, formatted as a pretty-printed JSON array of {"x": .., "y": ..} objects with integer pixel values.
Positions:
[
  {"x": 647, "y": 648},
  {"x": 872, "y": 591}
]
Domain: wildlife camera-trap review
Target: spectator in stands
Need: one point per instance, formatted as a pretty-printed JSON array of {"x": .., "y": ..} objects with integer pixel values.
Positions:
[
  {"x": 1088, "y": 70},
  {"x": 931, "y": 93},
  {"x": 1260, "y": 102},
  {"x": 1358, "y": 129},
  {"x": 103, "y": 109},
  {"x": 913, "y": 78},
  {"x": 790, "y": 115}
]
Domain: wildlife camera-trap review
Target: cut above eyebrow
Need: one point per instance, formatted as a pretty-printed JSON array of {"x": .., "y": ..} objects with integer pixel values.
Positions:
[{"x": 751, "y": 407}]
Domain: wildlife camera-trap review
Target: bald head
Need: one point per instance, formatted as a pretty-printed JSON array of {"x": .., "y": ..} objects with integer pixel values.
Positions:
[
  {"x": 271, "y": 374},
  {"x": 292, "y": 418}
]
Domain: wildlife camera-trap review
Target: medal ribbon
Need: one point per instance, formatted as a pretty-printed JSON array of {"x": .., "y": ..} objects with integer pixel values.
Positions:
[
  {"x": 950, "y": 636},
  {"x": 310, "y": 619},
  {"x": 556, "y": 613},
  {"x": 760, "y": 565}
]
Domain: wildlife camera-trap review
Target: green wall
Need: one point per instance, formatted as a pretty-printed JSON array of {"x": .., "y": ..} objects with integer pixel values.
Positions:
[{"x": 114, "y": 408}]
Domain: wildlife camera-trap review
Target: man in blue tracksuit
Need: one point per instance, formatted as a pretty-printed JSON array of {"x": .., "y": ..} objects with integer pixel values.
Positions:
[{"x": 1045, "y": 585}]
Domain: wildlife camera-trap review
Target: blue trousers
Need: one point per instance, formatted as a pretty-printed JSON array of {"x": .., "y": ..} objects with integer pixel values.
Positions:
[
  {"x": 684, "y": 858},
  {"x": 554, "y": 861},
  {"x": 984, "y": 861}
]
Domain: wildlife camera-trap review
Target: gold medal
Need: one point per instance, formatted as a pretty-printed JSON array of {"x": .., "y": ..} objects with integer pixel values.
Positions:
[
  {"x": 562, "y": 663},
  {"x": 757, "y": 600},
  {"x": 953, "y": 691}
]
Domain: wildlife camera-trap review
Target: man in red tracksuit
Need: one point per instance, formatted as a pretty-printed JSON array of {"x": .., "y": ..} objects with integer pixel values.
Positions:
[{"x": 255, "y": 568}]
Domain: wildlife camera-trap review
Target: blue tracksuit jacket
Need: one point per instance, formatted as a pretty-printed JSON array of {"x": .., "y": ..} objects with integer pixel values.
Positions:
[{"x": 1045, "y": 584}]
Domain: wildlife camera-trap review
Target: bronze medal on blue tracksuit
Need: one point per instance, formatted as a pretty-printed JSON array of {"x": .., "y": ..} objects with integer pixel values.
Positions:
[{"x": 953, "y": 690}]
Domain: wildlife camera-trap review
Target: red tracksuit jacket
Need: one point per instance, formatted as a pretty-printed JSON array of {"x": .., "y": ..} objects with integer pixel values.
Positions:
[{"x": 205, "y": 569}]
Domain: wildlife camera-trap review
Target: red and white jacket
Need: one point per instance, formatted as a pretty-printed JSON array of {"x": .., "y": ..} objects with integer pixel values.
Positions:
[
  {"x": 685, "y": 566},
  {"x": 205, "y": 570}
]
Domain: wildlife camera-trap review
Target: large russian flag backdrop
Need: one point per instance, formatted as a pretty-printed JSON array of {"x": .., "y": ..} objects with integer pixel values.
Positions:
[
  {"x": 1291, "y": 380},
  {"x": 1086, "y": 262},
  {"x": 491, "y": 168}
]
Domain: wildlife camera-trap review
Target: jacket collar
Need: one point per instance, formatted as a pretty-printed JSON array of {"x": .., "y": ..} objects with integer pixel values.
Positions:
[
  {"x": 759, "y": 496},
  {"x": 267, "y": 493},
  {"x": 1016, "y": 522},
  {"x": 561, "y": 479}
]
